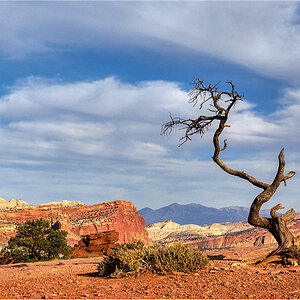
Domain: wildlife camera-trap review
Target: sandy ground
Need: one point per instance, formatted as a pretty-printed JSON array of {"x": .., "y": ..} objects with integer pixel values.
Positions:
[{"x": 231, "y": 274}]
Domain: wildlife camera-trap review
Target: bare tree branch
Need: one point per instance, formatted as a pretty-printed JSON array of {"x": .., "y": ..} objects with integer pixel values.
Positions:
[
  {"x": 274, "y": 210},
  {"x": 214, "y": 97},
  {"x": 221, "y": 103}
]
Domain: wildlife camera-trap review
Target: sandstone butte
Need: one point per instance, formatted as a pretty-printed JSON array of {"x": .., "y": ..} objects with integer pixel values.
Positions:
[{"x": 77, "y": 218}]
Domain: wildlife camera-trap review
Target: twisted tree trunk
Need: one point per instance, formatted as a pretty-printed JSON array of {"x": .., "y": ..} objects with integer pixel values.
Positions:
[{"x": 276, "y": 225}]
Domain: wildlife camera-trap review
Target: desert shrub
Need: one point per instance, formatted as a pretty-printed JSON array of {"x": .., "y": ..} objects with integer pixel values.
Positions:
[
  {"x": 129, "y": 259},
  {"x": 35, "y": 241},
  {"x": 178, "y": 258},
  {"x": 134, "y": 259}
]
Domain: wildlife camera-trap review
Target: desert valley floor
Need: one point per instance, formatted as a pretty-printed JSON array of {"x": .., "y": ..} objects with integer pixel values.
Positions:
[{"x": 231, "y": 274}]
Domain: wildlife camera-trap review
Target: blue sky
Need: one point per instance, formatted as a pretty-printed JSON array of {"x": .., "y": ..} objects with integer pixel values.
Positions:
[{"x": 85, "y": 87}]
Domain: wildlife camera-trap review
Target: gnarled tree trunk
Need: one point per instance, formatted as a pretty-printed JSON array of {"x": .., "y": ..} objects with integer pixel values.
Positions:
[{"x": 276, "y": 225}]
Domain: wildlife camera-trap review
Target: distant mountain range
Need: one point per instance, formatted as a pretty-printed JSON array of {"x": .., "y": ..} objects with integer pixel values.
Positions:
[{"x": 196, "y": 214}]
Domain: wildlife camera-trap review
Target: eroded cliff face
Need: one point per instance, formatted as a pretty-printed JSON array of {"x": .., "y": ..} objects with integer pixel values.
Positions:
[
  {"x": 78, "y": 219},
  {"x": 216, "y": 235}
]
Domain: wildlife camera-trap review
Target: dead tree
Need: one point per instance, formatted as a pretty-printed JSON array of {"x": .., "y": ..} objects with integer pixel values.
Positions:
[{"x": 220, "y": 104}]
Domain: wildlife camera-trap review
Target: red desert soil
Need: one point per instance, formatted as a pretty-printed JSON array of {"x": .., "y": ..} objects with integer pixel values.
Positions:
[{"x": 231, "y": 274}]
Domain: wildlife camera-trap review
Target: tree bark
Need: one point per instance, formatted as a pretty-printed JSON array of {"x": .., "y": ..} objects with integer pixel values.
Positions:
[{"x": 276, "y": 225}]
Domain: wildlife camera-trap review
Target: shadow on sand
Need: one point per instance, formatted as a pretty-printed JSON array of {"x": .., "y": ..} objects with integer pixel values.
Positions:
[
  {"x": 221, "y": 257},
  {"x": 92, "y": 274}
]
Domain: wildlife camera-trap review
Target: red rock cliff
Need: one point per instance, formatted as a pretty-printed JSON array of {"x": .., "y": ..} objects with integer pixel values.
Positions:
[{"x": 120, "y": 215}]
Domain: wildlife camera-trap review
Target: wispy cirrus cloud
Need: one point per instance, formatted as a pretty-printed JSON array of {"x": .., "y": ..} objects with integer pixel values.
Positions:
[{"x": 261, "y": 36}]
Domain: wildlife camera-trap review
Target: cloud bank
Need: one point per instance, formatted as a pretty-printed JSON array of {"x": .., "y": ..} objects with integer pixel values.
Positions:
[
  {"x": 100, "y": 140},
  {"x": 261, "y": 36}
]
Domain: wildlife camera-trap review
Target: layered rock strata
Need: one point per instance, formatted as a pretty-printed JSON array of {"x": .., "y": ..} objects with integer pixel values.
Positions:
[
  {"x": 14, "y": 204},
  {"x": 215, "y": 236},
  {"x": 80, "y": 220}
]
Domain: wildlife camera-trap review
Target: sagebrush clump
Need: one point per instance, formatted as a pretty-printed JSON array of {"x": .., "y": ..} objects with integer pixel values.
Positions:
[{"x": 134, "y": 259}]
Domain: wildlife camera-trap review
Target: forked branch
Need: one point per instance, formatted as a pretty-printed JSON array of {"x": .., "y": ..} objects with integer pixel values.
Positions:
[{"x": 220, "y": 104}]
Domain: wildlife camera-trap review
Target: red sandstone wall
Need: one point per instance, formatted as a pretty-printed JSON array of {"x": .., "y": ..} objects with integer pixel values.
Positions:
[{"x": 120, "y": 215}]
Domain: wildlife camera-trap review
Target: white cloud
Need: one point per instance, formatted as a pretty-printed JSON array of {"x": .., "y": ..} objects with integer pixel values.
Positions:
[
  {"x": 262, "y": 36},
  {"x": 100, "y": 140},
  {"x": 248, "y": 127},
  {"x": 106, "y": 118}
]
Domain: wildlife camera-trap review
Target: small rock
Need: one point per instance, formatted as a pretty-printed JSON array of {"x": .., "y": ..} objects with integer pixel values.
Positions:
[{"x": 235, "y": 264}]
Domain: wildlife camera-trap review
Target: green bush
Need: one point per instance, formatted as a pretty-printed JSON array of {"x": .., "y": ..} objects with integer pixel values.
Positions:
[
  {"x": 136, "y": 259},
  {"x": 35, "y": 241}
]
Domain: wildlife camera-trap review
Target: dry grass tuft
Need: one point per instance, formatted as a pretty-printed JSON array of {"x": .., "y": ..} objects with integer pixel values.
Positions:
[{"x": 135, "y": 259}]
